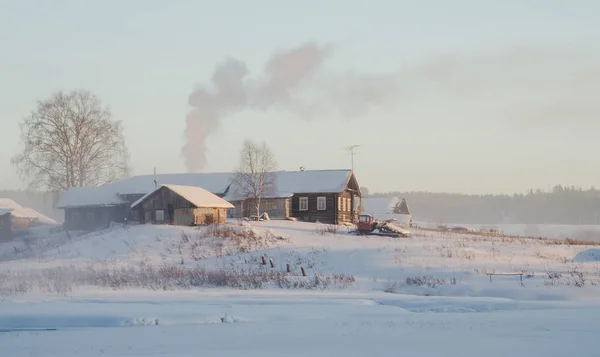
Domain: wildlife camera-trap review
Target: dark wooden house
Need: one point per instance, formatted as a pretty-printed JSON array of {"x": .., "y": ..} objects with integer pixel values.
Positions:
[
  {"x": 181, "y": 205},
  {"x": 326, "y": 196},
  {"x": 5, "y": 224}
]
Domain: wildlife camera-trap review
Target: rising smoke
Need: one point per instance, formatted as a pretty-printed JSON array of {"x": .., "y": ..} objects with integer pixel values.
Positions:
[
  {"x": 523, "y": 86},
  {"x": 283, "y": 84}
]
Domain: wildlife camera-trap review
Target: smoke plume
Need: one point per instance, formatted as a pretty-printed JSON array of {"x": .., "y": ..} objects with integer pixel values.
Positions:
[
  {"x": 289, "y": 82},
  {"x": 523, "y": 86}
]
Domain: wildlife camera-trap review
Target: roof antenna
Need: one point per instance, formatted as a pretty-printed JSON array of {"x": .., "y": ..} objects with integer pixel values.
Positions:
[{"x": 351, "y": 148}]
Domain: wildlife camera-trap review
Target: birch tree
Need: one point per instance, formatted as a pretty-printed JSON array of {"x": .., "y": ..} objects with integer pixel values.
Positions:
[
  {"x": 70, "y": 140},
  {"x": 254, "y": 178}
]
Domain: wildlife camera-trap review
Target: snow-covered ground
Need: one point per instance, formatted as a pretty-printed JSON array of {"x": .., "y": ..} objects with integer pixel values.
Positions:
[{"x": 173, "y": 291}]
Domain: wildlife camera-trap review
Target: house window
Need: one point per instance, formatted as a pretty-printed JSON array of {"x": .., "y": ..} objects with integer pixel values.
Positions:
[
  {"x": 321, "y": 203},
  {"x": 160, "y": 216},
  {"x": 303, "y": 204}
]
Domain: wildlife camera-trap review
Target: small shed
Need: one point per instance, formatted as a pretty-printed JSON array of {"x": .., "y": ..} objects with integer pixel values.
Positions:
[
  {"x": 5, "y": 223},
  {"x": 182, "y": 206}
]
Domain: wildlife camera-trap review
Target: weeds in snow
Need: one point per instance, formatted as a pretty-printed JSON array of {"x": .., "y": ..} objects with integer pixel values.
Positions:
[
  {"x": 572, "y": 277},
  {"x": 167, "y": 277},
  {"x": 391, "y": 287},
  {"x": 459, "y": 252},
  {"x": 430, "y": 281},
  {"x": 325, "y": 229}
]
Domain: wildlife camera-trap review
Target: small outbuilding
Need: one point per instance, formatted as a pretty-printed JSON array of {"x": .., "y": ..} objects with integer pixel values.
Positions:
[
  {"x": 182, "y": 206},
  {"x": 5, "y": 223}
]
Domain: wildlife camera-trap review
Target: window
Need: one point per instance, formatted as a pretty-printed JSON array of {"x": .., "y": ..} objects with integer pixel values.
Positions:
[
  {"x": 160, "y": 216},
  {"x": 321, "y": 203},
  {"x": 303, "y": 204},
  {"x": 339, "y": 203}
]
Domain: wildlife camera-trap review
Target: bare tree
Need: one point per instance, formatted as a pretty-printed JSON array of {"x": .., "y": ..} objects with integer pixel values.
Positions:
[
  {"x": 70, "y": 140},
  {"x": 254, "y": 178}
]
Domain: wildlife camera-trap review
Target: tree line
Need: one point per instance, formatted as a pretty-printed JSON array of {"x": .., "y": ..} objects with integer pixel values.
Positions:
[{"x": 561, "y": 205}]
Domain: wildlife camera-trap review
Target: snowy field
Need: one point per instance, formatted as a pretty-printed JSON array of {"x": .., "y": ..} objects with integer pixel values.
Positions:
[
  {"x": 173, "y": 291},
  {"x": 559, "y": 231}
]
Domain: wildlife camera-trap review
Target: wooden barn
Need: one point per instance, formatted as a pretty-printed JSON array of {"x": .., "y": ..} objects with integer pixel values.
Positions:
[
  {"x": 91, "y": 208},
  {"x": 181, "y": 205},
  {"x": 5, "y": 224}
]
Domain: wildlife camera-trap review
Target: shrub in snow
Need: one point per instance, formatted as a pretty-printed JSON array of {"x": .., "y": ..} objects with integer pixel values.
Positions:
[
  {"x": 325, "y": 229},
  {"x": 430, "y": 281},
  {"x": 391, "y": 287},
  {"x": 573, "y": 277}
]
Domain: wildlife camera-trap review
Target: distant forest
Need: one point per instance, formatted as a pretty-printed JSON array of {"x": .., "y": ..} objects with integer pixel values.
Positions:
[{"x": 562, "y": 205}]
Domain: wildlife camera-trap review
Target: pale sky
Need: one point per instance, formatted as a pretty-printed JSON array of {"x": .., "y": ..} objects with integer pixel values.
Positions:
[{"x": 489, "y": 96}]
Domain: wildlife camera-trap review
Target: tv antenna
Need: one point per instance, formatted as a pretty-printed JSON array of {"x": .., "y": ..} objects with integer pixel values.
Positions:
[{"x": 352, "y": 149}]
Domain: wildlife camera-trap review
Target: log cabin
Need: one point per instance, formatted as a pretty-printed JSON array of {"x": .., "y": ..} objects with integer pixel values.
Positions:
[
  {"x": 325, "y": 196},
  {"x": 5, "y": 224},
  {"x": 182, "y": 206}
]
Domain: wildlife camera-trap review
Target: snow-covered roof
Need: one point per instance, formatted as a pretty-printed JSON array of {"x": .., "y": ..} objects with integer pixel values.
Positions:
[
  {"x": 313, "y": 181},
  {"x": 89, "y": 197},
  {"x": 215, "y": 182},
  {"x": 4, "y": 211},
  {"x": 197, "y": 196},
  {"x": 379, "y": 205},
  {"x": 19, "y": 211},
  {"x": 288, "y": 183},
  {"x": 109, "y": 195}
]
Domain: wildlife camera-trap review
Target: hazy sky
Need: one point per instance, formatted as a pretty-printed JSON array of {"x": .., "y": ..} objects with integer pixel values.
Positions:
[{"x": 468, "y": 96}]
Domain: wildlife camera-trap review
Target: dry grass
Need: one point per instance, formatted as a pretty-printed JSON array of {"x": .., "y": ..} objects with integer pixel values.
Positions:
[
  {"x": 326, "y": 229},
  {"x": 166, "y": 277}
]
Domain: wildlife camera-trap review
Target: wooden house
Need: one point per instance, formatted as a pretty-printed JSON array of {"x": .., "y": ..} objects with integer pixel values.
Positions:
[
  {"x": 5, "y": 224},
  {"x": 326, "y": 196},
  {"x": 181, "y": 205},
  {"x": 89, "y": 208}
]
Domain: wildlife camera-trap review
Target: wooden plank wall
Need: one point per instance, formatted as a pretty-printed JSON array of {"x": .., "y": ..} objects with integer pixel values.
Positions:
[{"x": 313, "y": 214}]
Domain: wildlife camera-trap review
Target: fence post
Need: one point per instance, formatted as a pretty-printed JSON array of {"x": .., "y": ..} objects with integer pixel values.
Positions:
[
  {"x": 303, "y": 271},
  {"x": 289, "y": 268},
  {"x": 272, "y": 263},
  {"x": 264, "y": 260}
]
